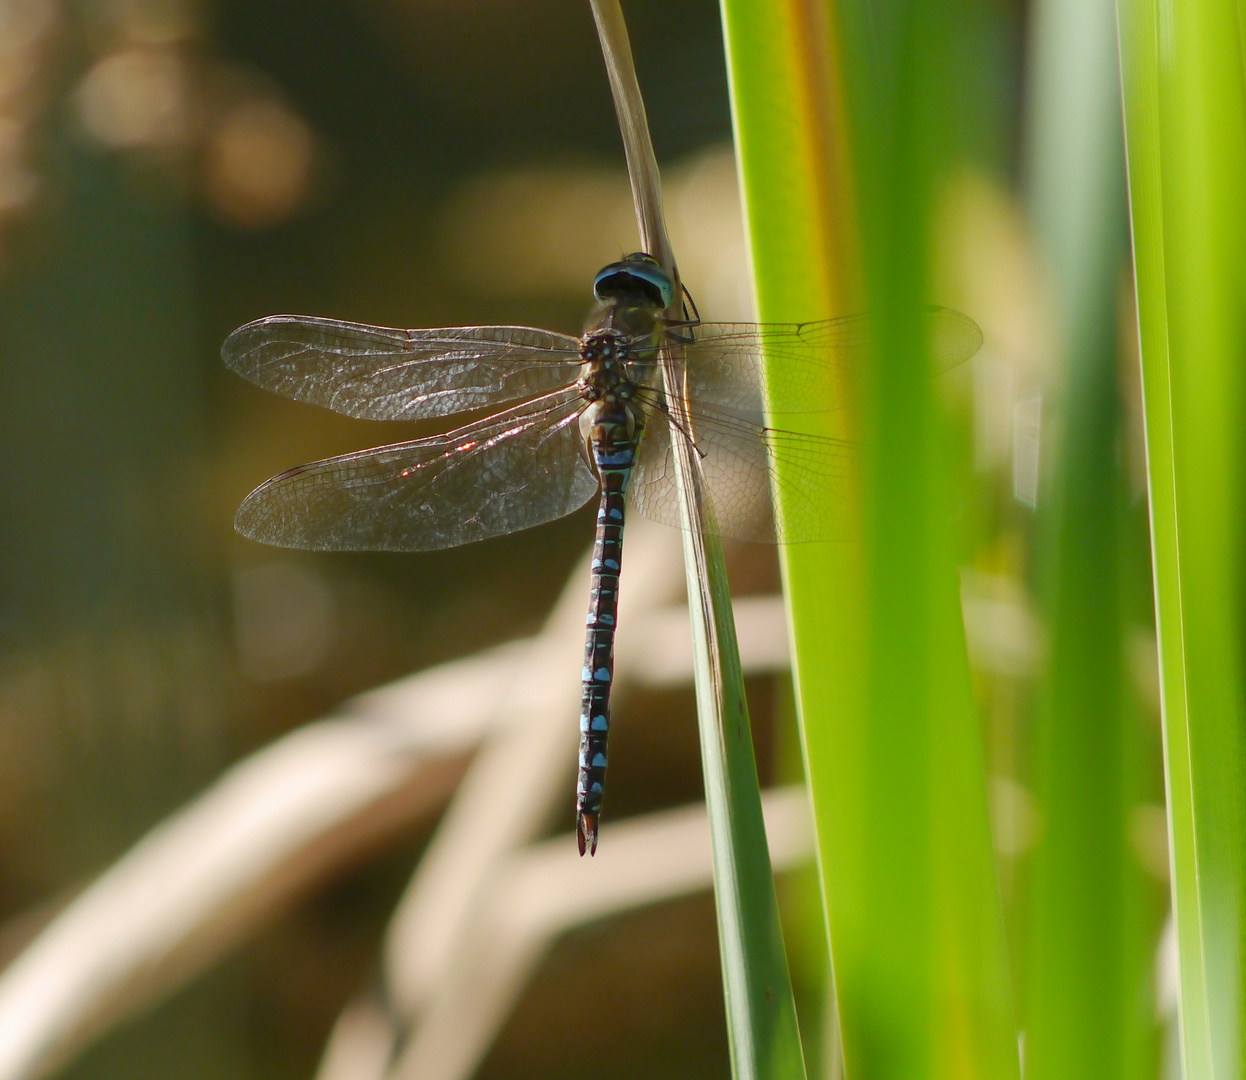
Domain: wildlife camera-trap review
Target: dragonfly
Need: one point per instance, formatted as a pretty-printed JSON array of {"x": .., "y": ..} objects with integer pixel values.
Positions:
[{"x": 578, "y": 417}]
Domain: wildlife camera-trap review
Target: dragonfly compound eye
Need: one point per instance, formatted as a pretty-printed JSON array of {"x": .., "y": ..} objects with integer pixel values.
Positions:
[{"x": 638, "y": 279}]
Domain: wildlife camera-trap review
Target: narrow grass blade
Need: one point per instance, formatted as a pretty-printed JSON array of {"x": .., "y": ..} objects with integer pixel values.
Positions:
[
  {"x": 1093, "y": 926},
  {"x": 761, "y": 1011},
  {"x": 890, "y": 736},
  {"x": 1185, "y": 124}
]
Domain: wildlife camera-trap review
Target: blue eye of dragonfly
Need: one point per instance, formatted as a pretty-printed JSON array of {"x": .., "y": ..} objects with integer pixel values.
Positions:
[{"x": 638, "y": 278}]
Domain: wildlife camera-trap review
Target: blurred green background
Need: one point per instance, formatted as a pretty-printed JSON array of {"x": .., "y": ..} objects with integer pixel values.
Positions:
[{"x": 171, "y": 169}]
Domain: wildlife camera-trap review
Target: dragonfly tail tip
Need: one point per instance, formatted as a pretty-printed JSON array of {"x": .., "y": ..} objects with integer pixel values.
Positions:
[{"x": 586, "y": 833}]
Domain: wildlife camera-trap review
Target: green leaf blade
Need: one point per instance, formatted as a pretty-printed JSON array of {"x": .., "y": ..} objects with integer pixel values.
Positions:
[
  {"x": 890, "y": 736},
  {"x": 1186, "y": 141}
]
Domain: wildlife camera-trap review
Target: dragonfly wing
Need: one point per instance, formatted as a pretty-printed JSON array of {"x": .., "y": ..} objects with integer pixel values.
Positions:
[
  {"x": 726, "y": 360},
  {"x": 737, "y": 456},
  {"x": 508, "y": 472},
  {"x": 379, "y": 373}
]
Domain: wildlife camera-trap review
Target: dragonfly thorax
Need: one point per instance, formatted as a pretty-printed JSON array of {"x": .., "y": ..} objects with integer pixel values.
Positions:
[
  {"x": 608, "y": 373},
  {"x": 609, "y": 421}
]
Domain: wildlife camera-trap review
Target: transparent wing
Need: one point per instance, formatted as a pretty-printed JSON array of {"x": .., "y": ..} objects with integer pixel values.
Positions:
[
  {"x": 378, "y": 373},
  {"x": 726, "y": 359},
  {"x": 509, "y": 472},
  {"x": 737, "y": 457}
]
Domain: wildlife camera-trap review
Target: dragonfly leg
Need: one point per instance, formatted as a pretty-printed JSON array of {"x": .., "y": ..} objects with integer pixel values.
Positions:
[{"x": 657, "y": 400}]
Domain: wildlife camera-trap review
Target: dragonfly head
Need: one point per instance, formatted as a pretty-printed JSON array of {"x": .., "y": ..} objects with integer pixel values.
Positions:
[{"x": 637, "y": 279}]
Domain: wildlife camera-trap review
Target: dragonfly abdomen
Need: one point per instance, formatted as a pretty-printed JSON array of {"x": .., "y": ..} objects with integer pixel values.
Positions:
[{"x": 613, "y": 446}]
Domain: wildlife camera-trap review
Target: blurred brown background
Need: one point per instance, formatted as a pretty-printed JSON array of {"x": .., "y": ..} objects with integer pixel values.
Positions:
[{"x": 170, "y": 169}]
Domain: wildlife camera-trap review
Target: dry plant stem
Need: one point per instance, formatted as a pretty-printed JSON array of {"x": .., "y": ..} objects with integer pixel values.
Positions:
[
  {"x": 515, "y": 784},
  {"x": 642, "y": 165},
  {"x": 761, "y": 1016},
  {"x": 306, "y": 806},
  {"x": 541, "y": 892},
  {"x": 203, "y": 881}
]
